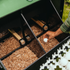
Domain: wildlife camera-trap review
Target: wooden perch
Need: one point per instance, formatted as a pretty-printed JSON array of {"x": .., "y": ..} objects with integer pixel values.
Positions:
[
  {"x": 40, "y": 24},
  {"x": 16, "y": 35}
]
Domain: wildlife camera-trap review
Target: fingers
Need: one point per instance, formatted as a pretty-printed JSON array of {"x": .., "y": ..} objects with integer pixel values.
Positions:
[
  {"x": 46, "y": 34},
  {"x": 49, "y": 35}
]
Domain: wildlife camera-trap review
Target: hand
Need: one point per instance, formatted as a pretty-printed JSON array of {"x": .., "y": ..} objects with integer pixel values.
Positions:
[{"x": 49, "y": 35}]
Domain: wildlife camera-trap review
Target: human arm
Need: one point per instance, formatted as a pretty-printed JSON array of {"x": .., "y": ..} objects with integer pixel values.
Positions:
[
  {"x": 65, "y": 27},
  {"x": 52, "y": 34}
]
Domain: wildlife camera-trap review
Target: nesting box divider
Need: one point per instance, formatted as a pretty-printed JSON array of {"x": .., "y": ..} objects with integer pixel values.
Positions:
[
  {"x": 31, "y": 31},
  {"x": 2, "y": 67},
  {"x": 4, "y": 57},
  {"x": 4, "y": 37}
]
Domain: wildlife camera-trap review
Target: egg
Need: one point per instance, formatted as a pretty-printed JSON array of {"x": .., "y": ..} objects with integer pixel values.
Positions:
[
  {"x": 57, "y": 64},
  {"x": 46, "y": 64},
  {"x": 68, "y": 66},
  {"x": 67, "y": 45},
  {"x": 69, "y": 50},
  {"x": 64, "y": 50},
  {"x": 48, "y": 61},
  {"x": 52, "y": 66},
  {"x": 67, "y": 55},
  {"x": 59, "y": 50},
  {"x": 63, "y": 61},
  {"x": 53, "y": 56},
  {"x": 54, "y": 61},
  {"x": 45, "y": 39},
  {"x": 41, "y": 67},
  {"x": 63, "y": 46},
  {"x": 68, "y": 41},
  {"x": 63, "y": 69}
]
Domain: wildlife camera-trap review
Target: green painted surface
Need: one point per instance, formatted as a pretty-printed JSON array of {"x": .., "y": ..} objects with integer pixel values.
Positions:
[{"x": 9, "y": 6}]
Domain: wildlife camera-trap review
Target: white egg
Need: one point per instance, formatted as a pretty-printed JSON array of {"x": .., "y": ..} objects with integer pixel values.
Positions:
[
  {"x": 63, "y": 69},
  {"x": 63, "y": 47},
  {"x": 67, "y": 45},
  {"x": 45, "y": 39},
  {"x": 68, "y": 41},
  {"x": 43, "y": 64},
  {"x": 59, "y": 50},
  {"x": 46, "y": 64},
  {"x": 67, "y": 55},
  {"x": 68, "y": 66},
  {"x": 58, "y": 64},
  {"x": 69, "y": 50},
  {"x": 41, "y": 67},
  {"x": 63, "y": 61},
  {"x": 54, "y": 55},
  {"x": 59, "y": 56},
  {"x": 64, "y": 50},
  {"x": 48, "y": 61},
  {"x": 54, "y": 61},
  {"x": 52, "y": 66}
]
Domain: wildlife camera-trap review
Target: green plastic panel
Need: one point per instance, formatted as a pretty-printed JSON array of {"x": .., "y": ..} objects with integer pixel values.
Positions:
[{"x": 9, "y": 6}]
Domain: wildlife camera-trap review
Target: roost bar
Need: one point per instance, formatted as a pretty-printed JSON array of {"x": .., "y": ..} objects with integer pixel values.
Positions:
[{"x": 18, "y": 13}]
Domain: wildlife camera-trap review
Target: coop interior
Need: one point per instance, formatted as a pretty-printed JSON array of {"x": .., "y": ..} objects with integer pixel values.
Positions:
[{"x": 22, "y": 44}]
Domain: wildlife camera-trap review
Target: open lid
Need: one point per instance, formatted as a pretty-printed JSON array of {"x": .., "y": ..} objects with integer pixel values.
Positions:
[{"x": 10, "y": 6}]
